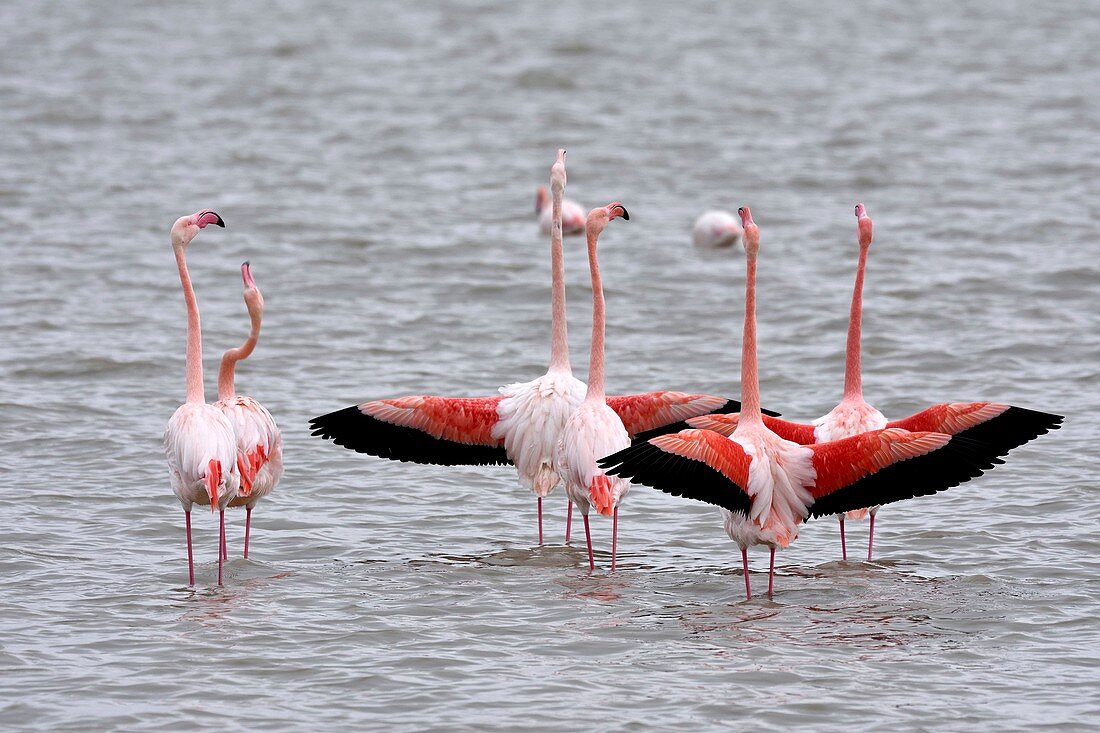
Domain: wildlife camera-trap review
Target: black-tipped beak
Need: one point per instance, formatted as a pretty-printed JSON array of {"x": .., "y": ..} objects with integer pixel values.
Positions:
[
  {"x": 625, "y": 214},
  {"x": 220, "y": 222}
]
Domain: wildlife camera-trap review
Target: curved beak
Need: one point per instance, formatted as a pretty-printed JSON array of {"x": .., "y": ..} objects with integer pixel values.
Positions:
[
  {"x": 246, "y": 275},
  {"x": 207, "y": 217}
]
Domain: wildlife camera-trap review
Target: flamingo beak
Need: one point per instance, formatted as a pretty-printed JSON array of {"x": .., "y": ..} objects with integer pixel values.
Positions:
[{"x": 246, "y": 275}]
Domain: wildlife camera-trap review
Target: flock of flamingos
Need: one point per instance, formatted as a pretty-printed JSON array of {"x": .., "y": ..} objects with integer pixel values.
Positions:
[{"x": 766, "y": 474}]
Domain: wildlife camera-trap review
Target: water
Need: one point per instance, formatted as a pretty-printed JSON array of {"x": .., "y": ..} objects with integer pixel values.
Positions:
[{"x": 378, "y": 169}]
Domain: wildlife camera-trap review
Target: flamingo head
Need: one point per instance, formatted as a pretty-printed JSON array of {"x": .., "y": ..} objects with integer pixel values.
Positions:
[
  {"x": 751, "y": 236},
  {"x": 601, "y": 215},
  {"x": 557, "y": 173},
  {"x": 253, "y": 298},
  {"x": 865, "y": 226},
  {"x": 186, "y": 227},
  {"x": 542, "y": 198}
]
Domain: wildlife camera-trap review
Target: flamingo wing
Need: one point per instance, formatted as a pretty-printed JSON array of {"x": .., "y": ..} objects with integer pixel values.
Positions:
[
  {"x": 695, "y": 464},
  {"x": 650, "y": 414},
  {"x": 888, "y": 465},
  {"x": 1000, "y": 427},
  {"x": 796, "y": 432},
  {"x": 445, "y": 431}
]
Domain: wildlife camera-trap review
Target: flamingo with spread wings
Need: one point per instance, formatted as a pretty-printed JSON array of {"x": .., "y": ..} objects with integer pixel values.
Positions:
[
  {"x": 199, "y": 441},
  {"x": 1002, "y": 427},
  {"x": 259, "y": 442},
  {"x": 521, "y": 425},
  {"x": 767, "y": 485}
]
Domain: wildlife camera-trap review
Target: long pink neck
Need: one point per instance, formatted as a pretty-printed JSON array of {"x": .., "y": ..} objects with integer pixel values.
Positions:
[
  {"x": 559, "y": 338},
  {"x": 750, "y": 380},
  {"x": 226, "y": 388},
  {"x": 853, "y": 379},
  {"x": 195, "y": 391},
  {"x": 595, "y": 362}
]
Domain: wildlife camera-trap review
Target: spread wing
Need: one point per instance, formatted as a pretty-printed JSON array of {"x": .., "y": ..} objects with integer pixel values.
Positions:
[
  {"x": 1001, "y": 427},
  {"x": 796, "y": 432},
  {"x": 883, "y": 466},
  {"x": 657, "y": 413},
  {"x": 446, "y": 431},
  {"x": 695, "y": 464}
]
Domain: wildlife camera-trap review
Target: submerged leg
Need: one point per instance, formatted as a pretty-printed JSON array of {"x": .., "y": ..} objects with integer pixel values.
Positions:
[
  {"x": 843, "y": 545},
  {"x": 221, "y": 542},
  {"x": 568, "y": 521},
  {"x": 588, "y": 538},
  {"x": 871, "y": 537},
  {"x": 771, "y": 572},
  {"x": 540, "y": 521},
  {"x": 190, "y": 557},
  {"x": 247, "y": 527},
  {"x": 614, "y": 535},
  {"x": 745, "y": 571}
]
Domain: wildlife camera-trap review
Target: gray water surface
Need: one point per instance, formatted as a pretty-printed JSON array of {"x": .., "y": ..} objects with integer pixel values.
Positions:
[{"x": 378, "y": 166}]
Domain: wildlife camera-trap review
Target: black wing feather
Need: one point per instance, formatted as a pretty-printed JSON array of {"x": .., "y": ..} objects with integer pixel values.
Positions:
[{"x": 362, "y": 433}]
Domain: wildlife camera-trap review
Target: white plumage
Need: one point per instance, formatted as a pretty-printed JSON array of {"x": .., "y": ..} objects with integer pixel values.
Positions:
[
  {"x": 197, "y": 434},
  {"x": 716, "y": 229},
  {"x": 258, "y": 441},
  {"x": 593, "y": 431}
]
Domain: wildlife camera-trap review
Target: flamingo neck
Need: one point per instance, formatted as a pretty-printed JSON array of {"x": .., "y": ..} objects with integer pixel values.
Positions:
[
  {"x": 750, "y": 381},
  {"x": 853, "y": 371},
  {"x": 595, "y": 362},
  {"x": 559, "y": 338},
  {"x": 226, "y": 373},
  {"x": 195, "y": 391}
]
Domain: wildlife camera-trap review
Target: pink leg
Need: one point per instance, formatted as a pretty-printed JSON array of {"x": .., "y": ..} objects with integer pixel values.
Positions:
[
  {"x": 745, "y": 570},
  {"x": 843, "y": 545},
  {"x": 568, "y": 521},
  {"x": 870, "y": 538},
  {"x": 221, "y": 543},
  {"x": 225, "y": 552},
  {"x": 247, "y": 527},
  {"x": 588, "y": 537},
  {"x": 614, "y": 535},
  {"x": 771, "y": 572},
  {"x": 540, "y": 521},
  {"x": 190, "y": 557}
]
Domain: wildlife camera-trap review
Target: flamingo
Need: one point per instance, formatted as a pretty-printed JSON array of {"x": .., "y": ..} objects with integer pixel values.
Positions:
[
  {"x": 259, "y": 444},
  {"x": 570, "y": 218},
  {"x": 1001, "y": 426},
  {"x": 716, "y": 229},
  {"x": 767, "y": 485},
  {"x": 521, "y": 425},
  {"x": 199, "y": 441},
  {"x": 594, "y": 429}
]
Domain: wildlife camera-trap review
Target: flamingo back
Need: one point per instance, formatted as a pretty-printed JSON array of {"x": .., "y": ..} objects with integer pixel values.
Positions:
[
  {"x": 850, "y": 417},
  {"x": 593, "y": 431},
  {"x": 259, "y": 445},
  {"x": 197, "y": 436},
  {"x": 532, "y": 415},
  {"x": 781, "y": 473}
]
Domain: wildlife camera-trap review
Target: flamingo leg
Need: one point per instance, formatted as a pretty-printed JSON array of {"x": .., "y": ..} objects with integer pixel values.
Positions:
[
  {"x": 221, "y": 542},
  {"x": 568, "y": 522},
  {"x": 870, "y": 538},
  {"x": 224, "y": 550},
  {"x": 745, "y": 571},
  {"x": 247, "y": 527},
  {"x": 190, "y": 557},
  {"x": 771, "y": 572},
  {"x": 843, "y": 545},
  {"x": 588, "y": 538},
  {"x": 540, "y": 521},
  {"x": 614, "y": 535}
]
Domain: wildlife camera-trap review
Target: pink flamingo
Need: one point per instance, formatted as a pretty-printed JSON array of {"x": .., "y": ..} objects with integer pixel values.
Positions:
[
  {"x": 766, "y": 485},
  {"x": 259, "y": 442},
  {"x": 570, "y": 216},
  {"x": 594, "y": 429},
  {"x": 199, "y": 440},
  {"x": 520, "y": 426},
  {"x": 1002, "y": 427},
  {"x": 716, "y": 229}
]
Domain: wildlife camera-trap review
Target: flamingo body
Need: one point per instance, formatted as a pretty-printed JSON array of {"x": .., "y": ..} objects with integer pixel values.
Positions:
[
  {"x": 593, "y": 430},
  {"x": 202, "y": 456},
  {"x": 716, "y": 229},
  {"x": 530, "y": 418},
  {"x": 259, "y": 446},
  {"x": 572, "y": 214}
]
